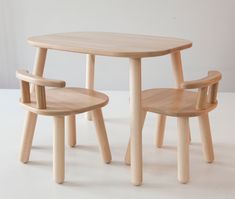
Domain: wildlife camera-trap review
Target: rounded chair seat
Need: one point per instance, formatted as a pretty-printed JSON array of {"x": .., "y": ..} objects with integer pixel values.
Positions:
[
  {"x": 68, "y": 101},
  {"x": 173, "y": 102}
]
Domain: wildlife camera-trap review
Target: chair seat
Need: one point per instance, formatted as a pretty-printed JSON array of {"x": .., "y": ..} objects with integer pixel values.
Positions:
[
  {"x": 68, "y": 101},
  {"x": 173, "y": 102}
]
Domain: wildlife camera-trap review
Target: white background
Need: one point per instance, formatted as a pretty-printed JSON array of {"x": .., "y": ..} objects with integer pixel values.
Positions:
[{"x": 209, "y": 24}]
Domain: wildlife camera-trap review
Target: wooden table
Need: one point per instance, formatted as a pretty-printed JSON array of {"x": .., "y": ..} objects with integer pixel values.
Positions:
[{"x": 133, "y": 47}]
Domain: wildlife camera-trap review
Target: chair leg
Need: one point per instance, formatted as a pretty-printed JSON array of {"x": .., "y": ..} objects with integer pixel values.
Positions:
[
  {"x": 206, "y": 138},
  {"x": 128, "y": 150},
  {"x": 101, "y": 134},
  {"x": 161, "y": 121},
  {"x": 183, "y": 150},
  {"x": 71, "y": 130},
  {"x": 188, "y": 132},
  {"x": 28, "y": 133},
  {"x": 58, "y": 149}
]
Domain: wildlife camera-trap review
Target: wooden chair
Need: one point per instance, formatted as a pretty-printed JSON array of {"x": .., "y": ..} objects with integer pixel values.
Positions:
[
  {"x": 183, "y": 104},
  {"x": 59, "y": 102}
]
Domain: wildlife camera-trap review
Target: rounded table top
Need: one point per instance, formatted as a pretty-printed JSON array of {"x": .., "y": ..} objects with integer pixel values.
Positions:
[{"x": 111, "y": 44}]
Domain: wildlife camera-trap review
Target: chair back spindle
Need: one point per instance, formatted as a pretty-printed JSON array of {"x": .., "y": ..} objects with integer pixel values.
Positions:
[
  {"x": 205, "y": 96},
  {"x": 40, "y": 97},
  {"x": 213, "y": 90},
  {"x": 39, "y": 83},
  {"x": 202, "y": 98},
  {"x": 25, "y": 92}
]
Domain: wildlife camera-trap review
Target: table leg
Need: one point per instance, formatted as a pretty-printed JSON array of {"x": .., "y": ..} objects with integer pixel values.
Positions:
[
  {"x": 177, "y": 68},
  {"x": 178, "y": 73},
  {"x": 90, "y": 64},
  {"x": 31, "y": 118},
  {"x": 136, "y": 134}
]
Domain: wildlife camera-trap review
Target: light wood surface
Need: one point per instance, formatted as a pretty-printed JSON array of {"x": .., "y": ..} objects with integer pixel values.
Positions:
[
  {"x": 119, "y": 45},
  {"x": 90, "y": 73},
  {"x": 58, "y": 150},
  {"x": 102, "y": 136},
  {"x": 179, "y": 79},
  {"x": 173, "y": 102},
  {"x": 111, "y": 44},
  {"x": 177, "y": 68},
  {"x": 183, "y": 104},
  {"x": 128, "y": 151},
  {"x": 212, "y": 78},
  {"x": 183, "y": 150},
  {"x": 31, "y": 118},
  {"x": 161, "y": 122},
  {"x": 207, "y": 145},
  {"x": 40, "y": 97},
  {"x": 135, "y": 123},
  {"x": 27, "y": 139},
  {"x": 68, "y": 101},
  {"x": 202, "y": 98},
  {"x": 71, "y": 130},
  {"x": 213, "y": 89},
  {"x": 25, "y": 92},
  {"x": 37, "y": 80}
]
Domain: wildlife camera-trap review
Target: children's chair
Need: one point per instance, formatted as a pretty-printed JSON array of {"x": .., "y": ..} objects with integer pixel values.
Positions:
[
  {"x": 183, "y": 104},
  {"x": 59, "y": 102}
]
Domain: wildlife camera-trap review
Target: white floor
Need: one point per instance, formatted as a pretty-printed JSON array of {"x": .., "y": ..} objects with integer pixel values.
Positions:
[{"x": 88, "y": 177}]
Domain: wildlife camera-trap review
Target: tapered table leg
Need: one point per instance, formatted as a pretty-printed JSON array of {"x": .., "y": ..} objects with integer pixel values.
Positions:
[
  {"x": 136, "y": 134},
  {"x": 178, "y": 73},
  {"x": 90, "y": 70},
  {"x": 128, "y": 150}
]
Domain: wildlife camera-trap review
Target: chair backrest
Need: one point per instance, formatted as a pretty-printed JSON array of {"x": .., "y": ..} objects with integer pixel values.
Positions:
[
  {"x": 207, "y": 88},
  {"x": 40, "y": 83}
]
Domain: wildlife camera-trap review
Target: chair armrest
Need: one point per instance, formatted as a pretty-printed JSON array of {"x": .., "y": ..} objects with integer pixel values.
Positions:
[
  {"x": 24, "y": 75},
  {"x": 212, "y": 78}
]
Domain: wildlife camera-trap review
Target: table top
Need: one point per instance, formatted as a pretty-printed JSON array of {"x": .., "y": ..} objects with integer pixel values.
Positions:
[{"x": 111, "y": 44}]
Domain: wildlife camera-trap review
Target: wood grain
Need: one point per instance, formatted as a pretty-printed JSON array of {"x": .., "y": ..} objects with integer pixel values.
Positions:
[
  {"x": 68, "y": 101},
  {"x": 173, "y": 102},
  {"x": 111, "y": 44}
]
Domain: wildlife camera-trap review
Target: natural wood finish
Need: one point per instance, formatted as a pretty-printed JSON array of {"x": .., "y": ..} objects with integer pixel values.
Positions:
[
  {"x": 27, "y": 139},
  {"x": 39, "y": 61},
  {"x": 71, "y": 130},
  {"x": 90, "y": 72},
  {"x": 206, "y": 138},
  {"x": 188, "y": 132},
  {"x": 212, "y": 78},
  {"x": 68, "y": 101},
  {"x": 183, "y": 104},
  {"x": 58, "y": 150},
  {"x": 183, "y": 150},
  {"x": 179, "y": 78},
  {"x": 31, "y": 118},
  {"x": 136, "y": 132},
  {"x": 60, "y": 102},
  {"x": 128, "y": 151},
  {"x": 101, "y": 134},
  {"x": 25, "y": 92},
  {"x": 37, "y": 80},
  {"x": 202, "y": 98},
  {"x": 213, "y": 93},
  {"x": 40, "y": 97},
  {"x": 177, "y": 68},
  {"x": 173, "y": 102},
  {"x": 111, "y": 44},
  {"x": 160, "y": 130}
]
